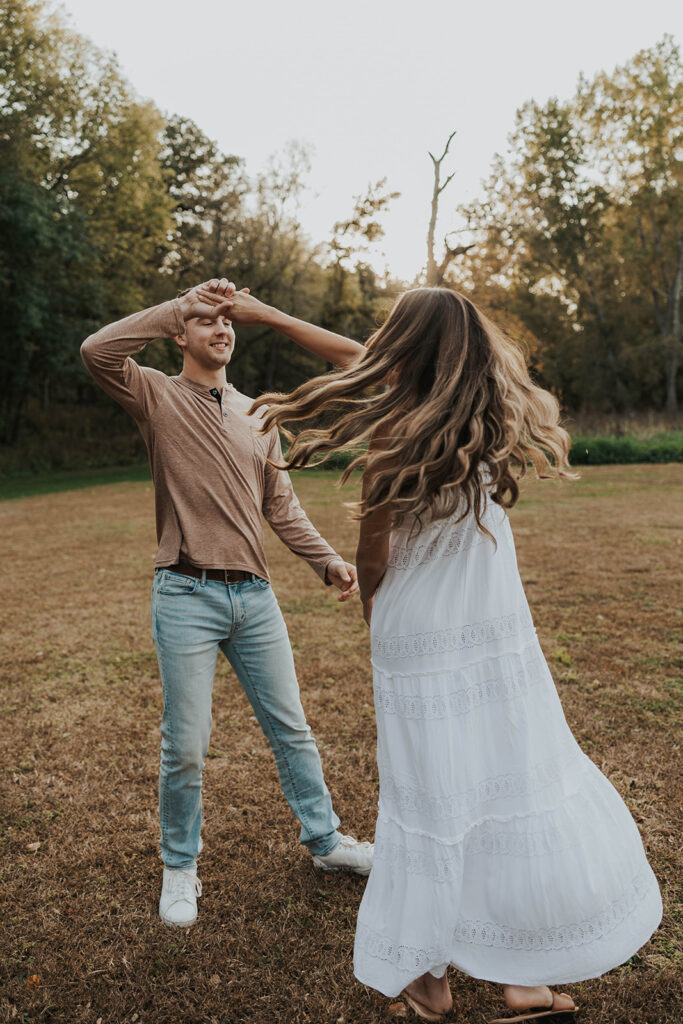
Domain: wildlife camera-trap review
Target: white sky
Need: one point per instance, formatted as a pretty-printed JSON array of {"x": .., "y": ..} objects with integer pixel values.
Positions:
[{"x": 371, "y": 84}]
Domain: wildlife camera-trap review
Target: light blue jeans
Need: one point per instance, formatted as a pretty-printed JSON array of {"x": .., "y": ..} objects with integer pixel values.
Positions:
[{"x": 191, "y": 620}]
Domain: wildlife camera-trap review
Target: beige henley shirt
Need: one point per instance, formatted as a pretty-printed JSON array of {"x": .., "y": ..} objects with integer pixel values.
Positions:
[{"x": 212, "y": 480}]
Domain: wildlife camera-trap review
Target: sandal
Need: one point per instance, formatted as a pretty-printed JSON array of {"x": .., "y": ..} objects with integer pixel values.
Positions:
[
  {"x": 535, "y": 1013},
  {"x": 420, "y": 1009}
]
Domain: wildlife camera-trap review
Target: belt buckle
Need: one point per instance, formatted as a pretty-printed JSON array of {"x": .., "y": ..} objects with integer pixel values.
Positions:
[{"x": 226, "y": 575}]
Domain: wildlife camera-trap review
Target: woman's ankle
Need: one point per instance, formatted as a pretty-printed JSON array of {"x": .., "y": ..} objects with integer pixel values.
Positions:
[
  {"x": 437, "y": 992},
  {"x": 523, "y": 997}
]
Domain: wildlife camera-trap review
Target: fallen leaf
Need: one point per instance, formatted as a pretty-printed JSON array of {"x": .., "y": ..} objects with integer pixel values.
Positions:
[
  {"x": 215, "y": 979},
  {"x": 32, "y": 847},
  {"x": 33, "y": 981},
  {"x": 398, "y": 1010}
]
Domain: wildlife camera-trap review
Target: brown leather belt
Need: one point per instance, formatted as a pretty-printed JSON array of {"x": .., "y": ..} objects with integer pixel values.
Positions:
[{"x": 221, "y": 575}]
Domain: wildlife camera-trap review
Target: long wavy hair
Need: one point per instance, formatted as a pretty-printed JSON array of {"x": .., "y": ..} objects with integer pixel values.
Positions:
[{"x": 445, "y": 399}]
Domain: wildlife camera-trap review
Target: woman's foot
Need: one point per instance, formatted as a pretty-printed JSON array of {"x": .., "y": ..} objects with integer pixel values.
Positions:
[
  {"x": 431, "y": 994},
  {"x": 524, "y": 997}
]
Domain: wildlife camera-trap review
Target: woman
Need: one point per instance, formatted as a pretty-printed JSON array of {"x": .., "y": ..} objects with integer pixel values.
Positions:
[{"x": 500, "y": 847}]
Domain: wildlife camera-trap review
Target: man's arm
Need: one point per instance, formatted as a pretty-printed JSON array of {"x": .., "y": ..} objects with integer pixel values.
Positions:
[
  {"x": 247, "y": 309},
  {"x": 288, "y": 520},
  {"x": 107, "y": 356}
]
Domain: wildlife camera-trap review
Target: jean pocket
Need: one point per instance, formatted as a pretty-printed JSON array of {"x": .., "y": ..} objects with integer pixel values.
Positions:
[
  {"x": 261, "y": 584},
  {"x": 172, "y": 583}
]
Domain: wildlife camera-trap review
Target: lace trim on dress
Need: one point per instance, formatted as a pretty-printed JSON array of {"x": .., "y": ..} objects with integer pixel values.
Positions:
[
  {"x": 450, "y": 541},
  {"x": 444, "y": 641},
  {"x": 515, "y": 683},
  {"x": 403, "y": 958},
  {"x": 414, "y": 799},
  {"x": 579, "y": 933},
  {"x": 484, "y": 933}
]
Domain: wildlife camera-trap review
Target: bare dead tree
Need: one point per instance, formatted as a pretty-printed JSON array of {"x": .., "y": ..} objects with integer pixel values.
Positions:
[{"x": 436, "y": 271}]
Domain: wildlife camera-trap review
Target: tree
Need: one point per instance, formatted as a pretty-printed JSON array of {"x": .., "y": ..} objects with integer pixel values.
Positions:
[
  {"x": 634, "y": 121},
  {"x": 437, "y": 269},
  {"x": 43, "y": 257},
  {"x": 83, "y": 200},
  {"x": 350, "y": 306},
  {"x": 582, "y": 217},
  {"x": 206, "y": 188}
]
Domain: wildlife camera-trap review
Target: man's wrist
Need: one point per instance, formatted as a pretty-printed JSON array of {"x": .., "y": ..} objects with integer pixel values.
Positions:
[
  {"x": 185, "y": 305},
  {"x": 326, "y": 576}
]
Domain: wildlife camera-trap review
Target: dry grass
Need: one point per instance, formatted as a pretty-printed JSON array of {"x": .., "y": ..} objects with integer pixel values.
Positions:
[{"x": 602, "y": 560}]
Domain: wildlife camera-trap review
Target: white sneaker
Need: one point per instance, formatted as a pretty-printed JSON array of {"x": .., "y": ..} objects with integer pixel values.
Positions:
[
  {"x": 348, "y": 855},
  {"x": 179, "y": 892}
]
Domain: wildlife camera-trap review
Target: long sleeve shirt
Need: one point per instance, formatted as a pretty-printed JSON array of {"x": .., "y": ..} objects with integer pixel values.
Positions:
[{"x": 213, "y": 483}]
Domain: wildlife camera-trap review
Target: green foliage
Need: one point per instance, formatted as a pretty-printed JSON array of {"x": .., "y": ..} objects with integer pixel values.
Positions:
[
  {"x": 603, "y": 451},
  {"x": 579, "y": 236},
  {"x": 107, "y": 206},
  {"x": 83, "y": 204},
  {"x": 592, "y": 451},
  {"x": 43, "y": 260}
]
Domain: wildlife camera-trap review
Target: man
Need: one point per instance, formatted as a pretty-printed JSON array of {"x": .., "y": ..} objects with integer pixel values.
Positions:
[{"x": 213, "y": 481}]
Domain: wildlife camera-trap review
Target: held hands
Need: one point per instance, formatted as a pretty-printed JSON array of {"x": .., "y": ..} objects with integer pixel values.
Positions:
[
  {"x": 208, "y": 300},
  {"x": 342, "y": 575},
  {"x": 238, "y": 306}
]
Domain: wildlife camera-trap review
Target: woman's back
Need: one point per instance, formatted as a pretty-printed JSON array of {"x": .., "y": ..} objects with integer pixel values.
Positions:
[{"x": 450, "y": 589}]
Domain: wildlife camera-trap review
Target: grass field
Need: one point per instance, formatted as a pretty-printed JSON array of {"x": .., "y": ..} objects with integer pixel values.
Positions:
[{"x": 80, "y": 941}]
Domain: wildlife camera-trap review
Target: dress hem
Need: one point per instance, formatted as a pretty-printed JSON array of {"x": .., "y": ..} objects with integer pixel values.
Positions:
[{"x": 571, "y": 977}]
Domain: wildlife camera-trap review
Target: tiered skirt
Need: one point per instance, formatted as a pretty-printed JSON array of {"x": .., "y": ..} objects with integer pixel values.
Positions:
[{"x": 500, "y": 847}]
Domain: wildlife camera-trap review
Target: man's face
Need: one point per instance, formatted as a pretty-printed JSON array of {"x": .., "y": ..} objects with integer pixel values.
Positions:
[{"x": 209, "y": 342}]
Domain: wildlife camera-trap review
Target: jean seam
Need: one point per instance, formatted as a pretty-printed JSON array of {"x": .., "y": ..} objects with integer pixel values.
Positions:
[
  {"x": 164, "y": 803},
  {"x": 268, "y": 716}
]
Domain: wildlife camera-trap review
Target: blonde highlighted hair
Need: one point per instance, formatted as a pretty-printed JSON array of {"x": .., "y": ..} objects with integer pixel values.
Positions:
[{"x": 445, "y": 398}]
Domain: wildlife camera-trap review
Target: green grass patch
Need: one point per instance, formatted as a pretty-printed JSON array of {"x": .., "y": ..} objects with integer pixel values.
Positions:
[
  {"x": 585, "y": 451},
  {"x": 69, "y": 480}
]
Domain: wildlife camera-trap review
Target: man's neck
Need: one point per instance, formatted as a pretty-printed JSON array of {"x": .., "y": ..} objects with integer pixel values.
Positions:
[{"x": 200, "y": 375}]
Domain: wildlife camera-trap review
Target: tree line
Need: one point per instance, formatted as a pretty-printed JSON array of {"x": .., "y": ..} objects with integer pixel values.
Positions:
[
  {"x": 578, "y": 238},
  {"x": 108, "y": 205}
]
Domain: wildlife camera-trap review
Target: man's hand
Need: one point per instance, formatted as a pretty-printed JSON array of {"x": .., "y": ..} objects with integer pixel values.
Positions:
[
  {"x": 208, "y": 300},
  {"x": 244, "y": 308},
  {"x": 342, "y": 574}
]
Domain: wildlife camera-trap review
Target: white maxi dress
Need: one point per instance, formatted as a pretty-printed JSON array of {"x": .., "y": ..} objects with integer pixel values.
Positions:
[{"x": 500, "y": 848}]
